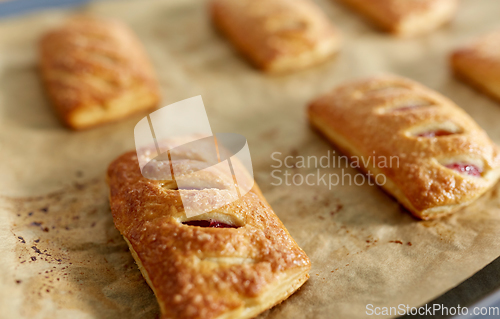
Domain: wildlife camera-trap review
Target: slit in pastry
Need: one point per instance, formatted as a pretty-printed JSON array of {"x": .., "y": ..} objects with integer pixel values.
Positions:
[
  {"x": 465, "y": 165},
  {"x": 434, "y": 129},
  {"x": 405, "y": 105}
]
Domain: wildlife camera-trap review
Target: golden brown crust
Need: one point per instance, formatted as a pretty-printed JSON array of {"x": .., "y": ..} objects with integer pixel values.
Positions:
[
  {"x": 479, "y": 64},
  {"x": 408, "y": 17},
  {"x": 363, "y": 119},
  {"x": 199, "y": 272},
  {"x": 277, "y": 35},
  {"x": 95, "y": 71}
]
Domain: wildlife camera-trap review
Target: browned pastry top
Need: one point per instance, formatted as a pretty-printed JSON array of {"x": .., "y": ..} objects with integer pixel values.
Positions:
[
  {"x": 481, "y": 61},
  {"x": 406, "y": 17},
  {"x": 89, "y": 61},
  {"x": 387, "y": 113},
  {"x": 397, "y": 10},
  {"x": 267, "y": 30},
  {"x": 199, "y": 272},
  {"x": 486, "y": 47}
]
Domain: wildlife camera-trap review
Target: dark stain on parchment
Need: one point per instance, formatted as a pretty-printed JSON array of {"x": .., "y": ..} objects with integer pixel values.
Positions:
[
  {"x": 69, "y": 250},
  {"x": 396, "y": 242}
]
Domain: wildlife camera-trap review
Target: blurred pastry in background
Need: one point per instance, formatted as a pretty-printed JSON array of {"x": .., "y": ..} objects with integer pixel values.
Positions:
[
  {"x": 277, "y": 35},
  {"x": 95, "y": 71},
  {"x": 479, "y": 64},
  {"x": 405, "y": 17}
]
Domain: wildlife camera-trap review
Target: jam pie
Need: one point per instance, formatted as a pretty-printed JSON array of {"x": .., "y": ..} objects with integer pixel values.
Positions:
[
  {"x": 277, "y": 35},
  {"x": 405, "y": 17},
  {"x": 479, "y": 64},
  {"x": 233, "y": 262},
  {"x": 432, "y": 157},
  {"x": 95, "y": 71}
]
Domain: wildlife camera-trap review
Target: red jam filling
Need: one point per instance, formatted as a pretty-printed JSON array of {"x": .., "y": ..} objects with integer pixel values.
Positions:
[
  {"x": 435, "y": 133},
  {"x": 208, "y": 223},
  {"x": 465, "y": 169}
]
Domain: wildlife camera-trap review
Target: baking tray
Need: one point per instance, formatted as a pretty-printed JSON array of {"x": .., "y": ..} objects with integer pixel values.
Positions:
[{"x": 364, "y": 248}]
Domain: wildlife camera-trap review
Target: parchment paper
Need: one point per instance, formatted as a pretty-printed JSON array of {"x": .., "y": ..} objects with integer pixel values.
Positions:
[{"x": 61, "y": 256}]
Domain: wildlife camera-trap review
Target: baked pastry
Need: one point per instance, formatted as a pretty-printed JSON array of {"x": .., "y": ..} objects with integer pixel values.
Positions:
[
  {"x": 405, "y": 17},
  {"x": 479, "y": 64},
  {"x": 420, "y": 147},
  {"x": 95, "y": 71},
  {"x": 233, "y": 262},
  {"x": 277, "y": 35}
]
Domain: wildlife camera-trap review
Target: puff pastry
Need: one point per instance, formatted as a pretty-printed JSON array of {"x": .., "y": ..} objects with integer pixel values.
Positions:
[
  {"x": 233, "y": 262},
  {"x": 95, "y": 71},
  {"x": 479, "y": 64},
  {"x": 277, "y": 35},
  {"x": 441, "y": 160},
  {"x": 405, "y": 17}
]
